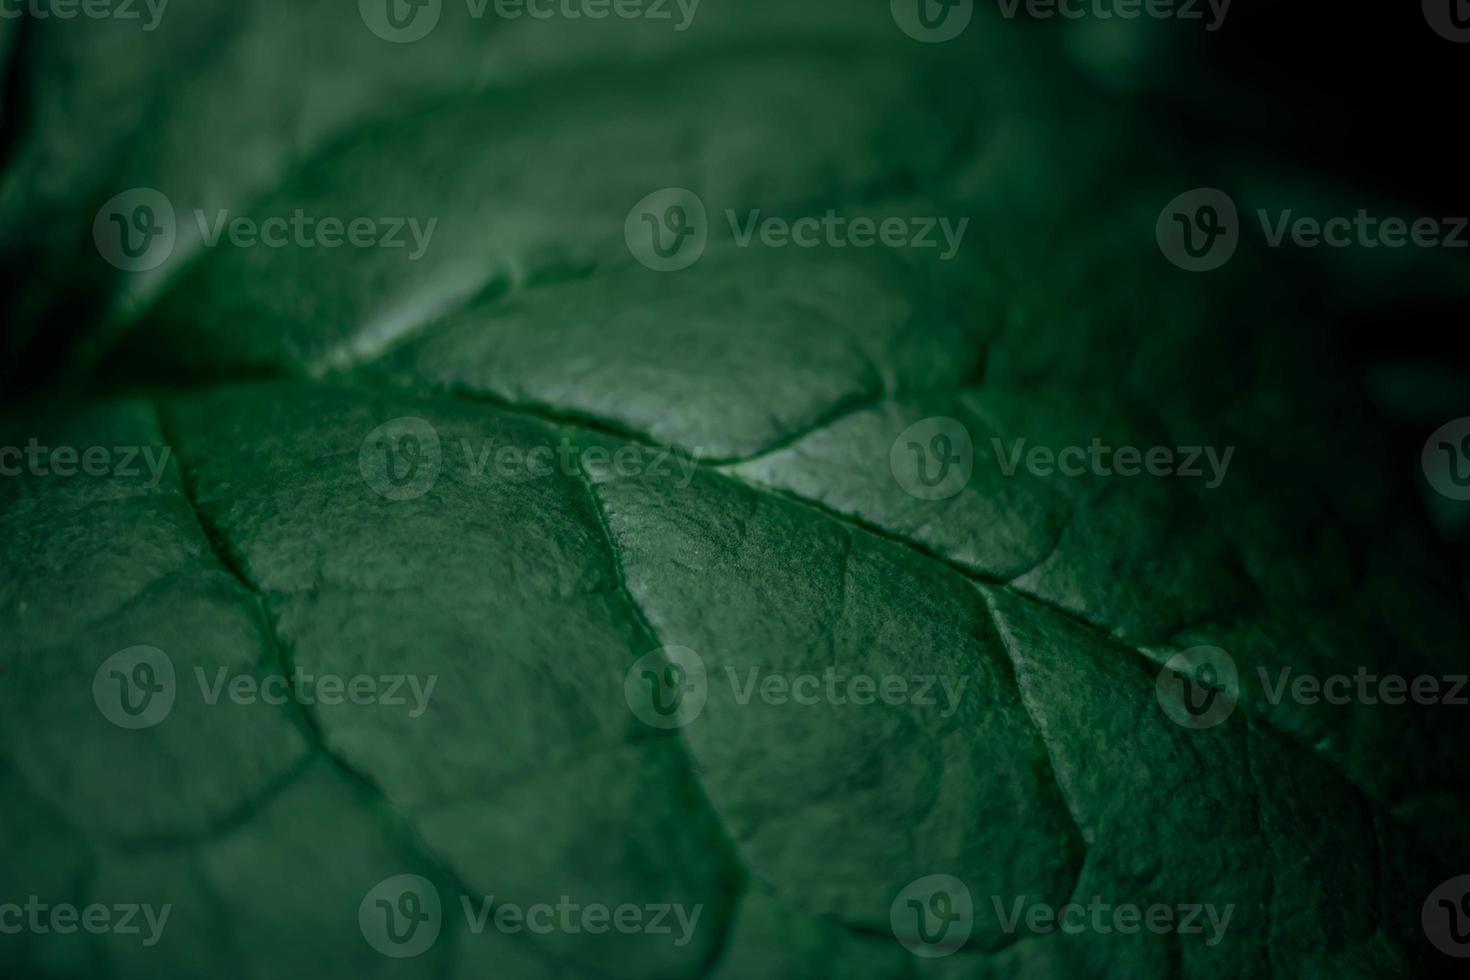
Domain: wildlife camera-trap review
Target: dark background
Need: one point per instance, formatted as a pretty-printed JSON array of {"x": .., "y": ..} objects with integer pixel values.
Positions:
[
  {"x": 1366, "y": 93},
  {"x": 1370, "y": 95}
]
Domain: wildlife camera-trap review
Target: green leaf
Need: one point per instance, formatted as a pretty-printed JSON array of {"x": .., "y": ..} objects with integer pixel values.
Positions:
[{"x": 523, "y": 490}]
